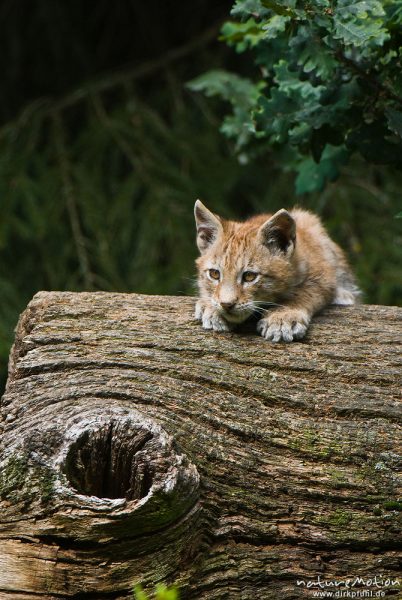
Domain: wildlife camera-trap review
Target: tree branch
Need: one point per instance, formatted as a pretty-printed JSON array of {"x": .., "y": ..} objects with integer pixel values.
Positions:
[
  {"x": 47, "y": 106},
  {"x": 70, "y": 202}
]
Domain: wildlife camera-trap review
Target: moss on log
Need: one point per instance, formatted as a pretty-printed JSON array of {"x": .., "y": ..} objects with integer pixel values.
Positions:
[{"x": 138, "y": 447}]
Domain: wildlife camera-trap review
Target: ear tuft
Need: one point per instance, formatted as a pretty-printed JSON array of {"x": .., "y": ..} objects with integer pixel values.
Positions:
[
  {"x": 278, "y": 234},
  {"x": 209, "y": 226}
]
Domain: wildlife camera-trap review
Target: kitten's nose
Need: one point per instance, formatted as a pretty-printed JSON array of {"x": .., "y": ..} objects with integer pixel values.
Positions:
[{"x": 228, "y": 305}]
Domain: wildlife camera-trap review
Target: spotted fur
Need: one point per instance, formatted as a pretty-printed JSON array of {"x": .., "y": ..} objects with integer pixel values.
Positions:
[{"x": 298, "y": 270}]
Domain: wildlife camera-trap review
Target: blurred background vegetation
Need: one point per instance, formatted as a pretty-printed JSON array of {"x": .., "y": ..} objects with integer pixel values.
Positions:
[{"x": 103, "y": 151}]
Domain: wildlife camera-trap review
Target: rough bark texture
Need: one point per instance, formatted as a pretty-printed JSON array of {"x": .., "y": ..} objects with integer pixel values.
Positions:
[{"x": 137, "y": 446}]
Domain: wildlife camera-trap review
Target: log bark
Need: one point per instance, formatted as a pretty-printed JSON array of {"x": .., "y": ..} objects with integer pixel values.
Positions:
[{"x": 138, "y": 447}]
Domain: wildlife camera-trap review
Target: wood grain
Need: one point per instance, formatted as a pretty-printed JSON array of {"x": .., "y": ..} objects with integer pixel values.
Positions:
[{"x": 138, "y": 447}]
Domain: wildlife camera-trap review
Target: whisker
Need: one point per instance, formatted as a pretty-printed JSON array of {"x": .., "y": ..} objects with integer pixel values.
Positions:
[
  {"x": 251, "y": 307},
  {"x": 259, "y": 311},
  {"x": 262, "y": 303}
]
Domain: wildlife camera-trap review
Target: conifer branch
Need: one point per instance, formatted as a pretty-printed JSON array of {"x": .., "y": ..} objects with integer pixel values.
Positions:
[
  {"x": 108, "y": 82},
  {"x": 72, "y": 209}
]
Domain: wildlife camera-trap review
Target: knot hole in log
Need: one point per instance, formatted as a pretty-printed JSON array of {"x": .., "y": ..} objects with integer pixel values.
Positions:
[
  {"x": 100, "y": 472},
  {"x": 99, "y": 477},
  {"x": 112, "y": 462}
]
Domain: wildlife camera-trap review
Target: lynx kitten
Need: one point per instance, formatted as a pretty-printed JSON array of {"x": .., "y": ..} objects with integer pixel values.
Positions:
[{"x": 283, "y": 267}]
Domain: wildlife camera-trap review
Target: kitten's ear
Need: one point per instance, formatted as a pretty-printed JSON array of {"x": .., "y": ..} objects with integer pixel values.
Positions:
[
  {"x": 209, "y": 226},
  {"x": 278, "y": 234}
]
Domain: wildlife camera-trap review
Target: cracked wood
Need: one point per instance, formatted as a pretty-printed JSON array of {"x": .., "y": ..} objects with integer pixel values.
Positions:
[{"x": 234, "y": 466}]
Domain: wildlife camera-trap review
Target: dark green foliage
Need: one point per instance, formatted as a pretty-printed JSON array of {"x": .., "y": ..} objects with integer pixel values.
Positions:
[
  {"x": 329, "y": 83},
  {"x": 56, "y": 47}
]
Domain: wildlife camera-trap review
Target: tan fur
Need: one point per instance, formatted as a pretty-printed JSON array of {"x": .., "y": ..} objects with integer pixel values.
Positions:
[{"x": 299, "y": 271}]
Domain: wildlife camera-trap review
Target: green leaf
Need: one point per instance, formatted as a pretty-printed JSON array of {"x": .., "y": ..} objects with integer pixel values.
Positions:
[
  {"x": 276, "y": 115},
  {"x": 388, "y": 57},
  {"x": 360, "y": 33},
  {"x": 164, "y": 593},
  {"x": 240, "y": 127},
  {"x": 241, "y": 93},
  {"x": 317, "y": 59},
  {"x": 370, "y": 139},
  {"x": 229, "y": 86},
  {"x": 280, "y": 8},
  {"x": 289, "y": 82},
  {"x": 360, "y": 24},
  {"x": 313, "y": 176},
  {"x": 275, "y": 25},
  {"x": 394, "y": 118},
  {"x": 242, "y": 35},
  {"x": 243, "y": 8},
  {"x": 311, "y": 53},
  {"x": 360, "y": 9},
  {"x": 317, "y": 144},
  {"x": 139, "y": 593}
]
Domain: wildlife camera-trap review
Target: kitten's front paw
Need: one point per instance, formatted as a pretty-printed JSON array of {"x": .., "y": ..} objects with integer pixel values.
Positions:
[
  {"x": 284, "y": 325},
  {"x": 210, "y": 318}
]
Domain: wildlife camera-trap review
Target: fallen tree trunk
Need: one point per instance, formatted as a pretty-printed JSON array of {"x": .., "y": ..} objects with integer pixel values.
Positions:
[{"x": 138, "y": 447}]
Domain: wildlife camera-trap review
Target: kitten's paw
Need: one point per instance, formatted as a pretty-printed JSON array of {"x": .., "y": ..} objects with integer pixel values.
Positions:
[
  {"x": 284, "y": 325},
  {"x": 210, "y": 318},
  {"x": 199, "y": 310}
]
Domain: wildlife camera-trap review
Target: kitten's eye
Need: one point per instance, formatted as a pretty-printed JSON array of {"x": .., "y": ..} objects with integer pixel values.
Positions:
[
  {"x": 214, "y": 274},
  {"x": 249, "y": 276}
]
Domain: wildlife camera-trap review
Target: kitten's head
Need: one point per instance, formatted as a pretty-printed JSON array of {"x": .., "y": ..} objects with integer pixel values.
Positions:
[{"x": 244, "y": 265}]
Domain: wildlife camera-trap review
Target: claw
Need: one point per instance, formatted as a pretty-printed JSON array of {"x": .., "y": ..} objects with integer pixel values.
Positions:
[
  {"x": 210, "y": 318},
  {"x": 284, "y": 326}
]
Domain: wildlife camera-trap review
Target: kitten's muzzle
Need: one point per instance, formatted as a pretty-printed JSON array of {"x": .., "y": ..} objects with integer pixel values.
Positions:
[
  {"x": 228, "y": 306},
  {"x": 236, "y": 314}
]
